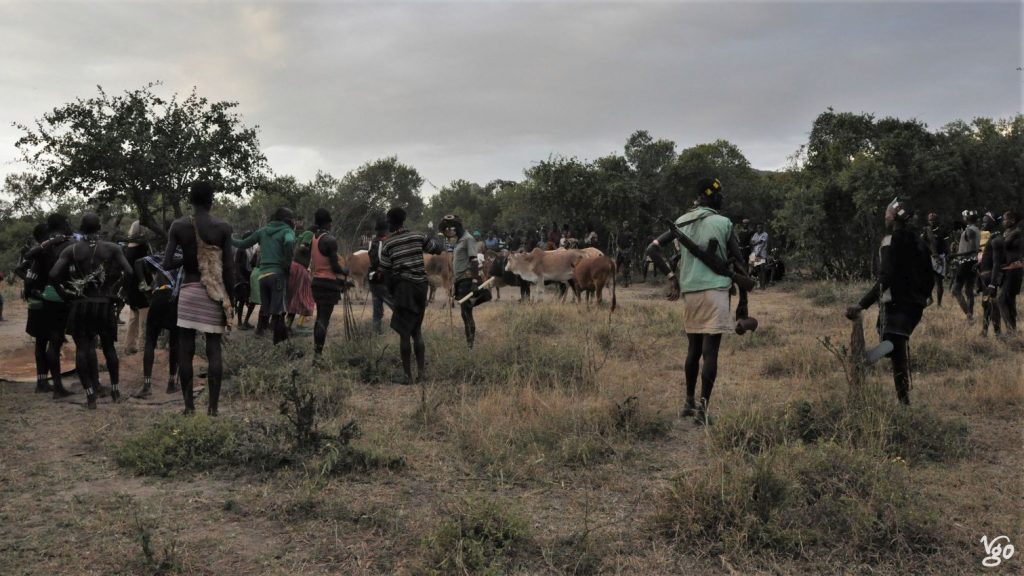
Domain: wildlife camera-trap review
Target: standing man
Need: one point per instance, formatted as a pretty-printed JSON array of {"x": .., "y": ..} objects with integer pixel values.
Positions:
[
  {"x": 466, "y": 269},
  {"x": 277, "y": 243},
  {"x": 378, "y": 289},
  {"x": 988, "y": 280},
  {"x": 902, "y": 291},
  {"x": 937, "y": 247},
  {"x": 1009, "y": 276},
  {"x": 93, "y": 267},
  {"x": 138, "y": 304},
  {"x": 744, "y": 233},
  {"x": 759, "y": 254},
  {"x": 967, "y": 264},
  {"x": 203, "y": 301},
  {"x": 51, "y": 316},
  {"x": 163, "y": 286},
  {"x": 327, "y": 272},
  {"x": 705, "y": 294},
  {"x": 401, "y": 263},
  {"x": 243, "y": 270}
]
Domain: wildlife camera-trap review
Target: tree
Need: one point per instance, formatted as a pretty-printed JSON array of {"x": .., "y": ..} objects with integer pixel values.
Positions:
[
  {"x": 744, "y": 187},
  {"x": 140, "y": 152},
  {"x": 476, "y": 205}
]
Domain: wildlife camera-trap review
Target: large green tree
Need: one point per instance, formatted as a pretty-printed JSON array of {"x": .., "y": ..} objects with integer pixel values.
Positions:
[
  {"x": 476, "y": 205},
  {"x": 139, "y": 152}
]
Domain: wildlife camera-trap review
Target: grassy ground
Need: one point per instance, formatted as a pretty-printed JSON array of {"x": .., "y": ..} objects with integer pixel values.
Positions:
[{"x": 554, "y": 447}]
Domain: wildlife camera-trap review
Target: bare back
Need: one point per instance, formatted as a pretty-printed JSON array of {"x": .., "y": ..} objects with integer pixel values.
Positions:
[{"x": 213, "y": 231}]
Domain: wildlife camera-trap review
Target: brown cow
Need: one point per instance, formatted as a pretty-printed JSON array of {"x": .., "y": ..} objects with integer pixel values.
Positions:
[
  {"x": 592, "y": 274},
  {"x": 358, "y": 265},
  {"x": 541, "y": 266},
  {"x": 439, "y": 274}
]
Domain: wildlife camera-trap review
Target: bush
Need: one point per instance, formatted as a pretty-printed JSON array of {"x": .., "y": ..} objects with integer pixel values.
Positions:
[
  {"x": 875, "y": 422},
  {"x": 509, "y": 435},
  {"x": 479, "y": 537},
  {"x": 797, "y": 501},
  {"x": 178, "y": 443}
]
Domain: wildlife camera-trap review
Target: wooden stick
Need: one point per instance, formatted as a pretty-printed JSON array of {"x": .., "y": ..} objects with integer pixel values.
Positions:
[{"x": 484, "y": 286}]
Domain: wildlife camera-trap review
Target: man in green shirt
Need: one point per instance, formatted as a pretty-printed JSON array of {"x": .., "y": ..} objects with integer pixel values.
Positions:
[
  {"x": 465, "y": 267},
  {"x": 277, "y": 245},
  {"x": 705, "y": 294}
]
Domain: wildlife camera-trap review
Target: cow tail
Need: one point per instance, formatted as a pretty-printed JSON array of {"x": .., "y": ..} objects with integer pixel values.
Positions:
[{"x": 615, "y": 272}]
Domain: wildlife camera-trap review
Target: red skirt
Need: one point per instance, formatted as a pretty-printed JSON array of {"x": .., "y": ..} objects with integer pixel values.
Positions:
[{"x": 300, "y": 291}]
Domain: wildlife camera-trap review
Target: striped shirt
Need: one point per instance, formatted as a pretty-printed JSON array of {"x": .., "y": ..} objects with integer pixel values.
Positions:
[{"x": 402, "y": 256}]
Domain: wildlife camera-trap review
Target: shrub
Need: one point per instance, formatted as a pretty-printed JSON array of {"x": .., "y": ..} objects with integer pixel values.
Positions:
[
  {"x": 871, "y": 422},
  {"x": 478, "y": 537},
  {"x": 179, "y": 442},
  {"x": 509, "y": 435},
  {"x": 833, "y": 293},
  {"x": 797, "y": 500}
]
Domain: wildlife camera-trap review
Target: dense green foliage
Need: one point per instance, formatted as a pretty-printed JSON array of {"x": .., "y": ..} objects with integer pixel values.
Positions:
[
  {"x": 134, "y": 155},
  {"x": 138, "y": 153}
]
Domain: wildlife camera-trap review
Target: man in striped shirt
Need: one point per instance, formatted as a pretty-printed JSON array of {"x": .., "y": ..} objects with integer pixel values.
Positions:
[{"x": 401, "y": 264}]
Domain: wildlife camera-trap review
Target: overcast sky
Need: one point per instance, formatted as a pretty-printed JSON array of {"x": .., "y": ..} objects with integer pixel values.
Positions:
[{"x": 479, "y": 90}]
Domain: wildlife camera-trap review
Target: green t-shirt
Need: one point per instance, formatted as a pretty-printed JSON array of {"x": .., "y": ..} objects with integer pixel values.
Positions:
[
  {"x": 701, "y": 225},
  {"x": 465, "y": 249}
]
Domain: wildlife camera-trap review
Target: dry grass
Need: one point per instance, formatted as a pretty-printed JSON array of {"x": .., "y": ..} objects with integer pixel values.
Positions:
[{"x": 553, "y": 447}]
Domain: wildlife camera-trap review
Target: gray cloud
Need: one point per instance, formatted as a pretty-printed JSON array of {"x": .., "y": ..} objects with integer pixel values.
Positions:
[{"x": 481, "y": 90}]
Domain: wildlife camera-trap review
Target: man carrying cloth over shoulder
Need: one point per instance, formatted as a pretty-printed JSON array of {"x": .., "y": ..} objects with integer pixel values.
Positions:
[
  {"x": 277, "y": 243},
  {"x": 204, "y": 303},
  {"x": 704, "y": 291}
]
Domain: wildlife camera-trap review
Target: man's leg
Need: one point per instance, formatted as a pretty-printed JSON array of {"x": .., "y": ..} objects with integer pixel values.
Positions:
[
  {"x": 215, "y": 371},
  {"x": 42, "y": 382},
  {"x": 463, "y": 288},
  {"x": 378, "y": 313},
  {"x": 405, "y": 349},
  {"x": 186, "y": 352},
  {"x": 248, "y": 314},
  {"x": 1006, "y": 300},
  {"x": 280, "y": 284},
  {"x": 113, "y": 365},
  {"x": 148, "y": 355},
  {"x": 900, "y": 366},
  {"x": 694, "y": 349},
  {"x": 266, "y": 301},
  {"x": 468, "y": 323},
  {"x": 708, "y": 371},
  {"x": 83, "y": 364},
  {"x": 132, "y": 333},
  {"x": 173, "y": 360},
  {"x": 54, "y": 344},
  {"x": 323, "y": 322},
  {"x": 963, "y": 283},
  {"x": 420, "y": 348},
  {"x": 939, "y": 289}
]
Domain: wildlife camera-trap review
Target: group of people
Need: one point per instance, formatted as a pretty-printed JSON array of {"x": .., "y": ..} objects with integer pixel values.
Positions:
[
  {"x": 980, "y": 258},
  {"x": 74, "y": 280}
]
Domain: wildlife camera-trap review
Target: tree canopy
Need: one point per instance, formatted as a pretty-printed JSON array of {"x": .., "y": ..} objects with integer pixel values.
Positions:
[
  {"x": 135, "y": 154},
  {"x": 139, "y": 152}
]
